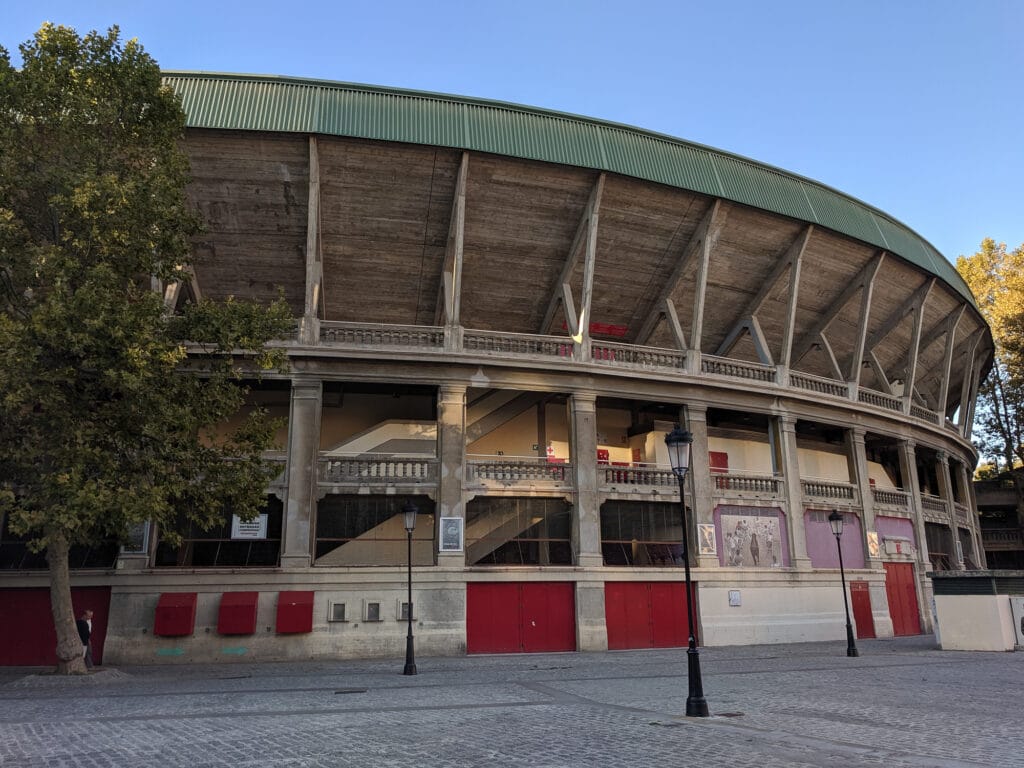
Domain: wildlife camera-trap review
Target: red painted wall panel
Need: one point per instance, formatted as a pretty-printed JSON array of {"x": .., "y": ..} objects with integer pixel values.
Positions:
[
  {"x": 294, "y": 612},
  {"x": 668, "y": 615},
  {"x": 28, "y": 638},
  {"x": 860, "y": 600},
  {"x": 901, "y": 592},
  {"x": 175, "y": 614},
  {"x": 237, "y": 613},
  {"x": 549, "y": 616}
]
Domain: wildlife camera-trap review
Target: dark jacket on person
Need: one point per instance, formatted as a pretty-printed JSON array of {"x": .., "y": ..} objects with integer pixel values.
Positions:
[{"x": 83, "y": 630}]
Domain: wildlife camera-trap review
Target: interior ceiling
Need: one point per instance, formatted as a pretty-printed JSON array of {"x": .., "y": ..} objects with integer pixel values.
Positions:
[{"x": 386, "y": 219}]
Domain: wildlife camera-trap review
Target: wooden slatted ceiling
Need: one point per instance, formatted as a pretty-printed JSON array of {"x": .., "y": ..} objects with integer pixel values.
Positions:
[
  {"x": 252, "y": 192},
  {"x": 520, "y": 220},
  {"x": 643, "y": 230},
  {"x": 385, "y": 211}
]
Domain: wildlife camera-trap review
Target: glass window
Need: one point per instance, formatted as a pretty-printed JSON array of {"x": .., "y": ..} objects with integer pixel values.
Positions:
[
  {"x": 223, "y": 547},
  {"x": 641, "y": 534},
  {"x": 370, "y": 530},
  {"x": 518, "y": 531},
  {"x": 15, "y": 554}
]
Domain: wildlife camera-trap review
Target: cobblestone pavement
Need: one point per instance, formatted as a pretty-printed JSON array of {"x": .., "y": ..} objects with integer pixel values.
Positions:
[{"x": 901, "y": 703}]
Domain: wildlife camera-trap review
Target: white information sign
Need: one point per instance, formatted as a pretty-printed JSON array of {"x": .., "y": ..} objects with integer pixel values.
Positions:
[{"x": 253, "y": 529}]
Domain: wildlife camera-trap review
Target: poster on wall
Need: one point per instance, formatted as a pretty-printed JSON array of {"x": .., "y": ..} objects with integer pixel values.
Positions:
[
  {"x": 873, "y": 549},
  {"x": 751, "y": 541},
  {"x": 252, "y": 529},
  {"x": 451, "y": 534},
  {"x": 706, "y": 539}
]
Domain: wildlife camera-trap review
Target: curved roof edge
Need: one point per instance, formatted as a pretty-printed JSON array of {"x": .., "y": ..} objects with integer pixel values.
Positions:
[{"x": 297, "y": 105}]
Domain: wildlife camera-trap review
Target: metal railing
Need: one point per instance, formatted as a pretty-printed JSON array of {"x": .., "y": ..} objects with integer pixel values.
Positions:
[{"x": 1002, "y": 538}]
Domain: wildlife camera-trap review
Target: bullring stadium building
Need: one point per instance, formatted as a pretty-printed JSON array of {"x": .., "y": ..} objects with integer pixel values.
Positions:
[{"x": 501, "y": 311}]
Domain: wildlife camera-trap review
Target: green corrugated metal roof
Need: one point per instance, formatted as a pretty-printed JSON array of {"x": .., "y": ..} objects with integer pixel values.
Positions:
[{"x": 272, "y": 103}]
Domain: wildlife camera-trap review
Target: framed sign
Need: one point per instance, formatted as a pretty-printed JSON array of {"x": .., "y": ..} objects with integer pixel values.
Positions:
[
  {"x": 252, "y": 529},
  {"x": 706, "y": 539},
  {"x": 451, "y": 534},
  {"x": 873, "y": 548}
]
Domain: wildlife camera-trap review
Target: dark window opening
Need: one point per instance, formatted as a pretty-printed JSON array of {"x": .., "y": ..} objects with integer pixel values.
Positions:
[
  {"x": 215, "y": 548},
  {"x": 643, "y": 534},
  {"x": 518, "y": 531},
  {"x": 370, "y": 530}
]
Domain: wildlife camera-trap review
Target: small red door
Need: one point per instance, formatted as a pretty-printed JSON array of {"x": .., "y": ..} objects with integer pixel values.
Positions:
[
  {"x": 645, "y": 614},
  {"x": 860, "y": 598},
  {"x": 534, "y": 617},
  {"x": 901, "y": 591}
]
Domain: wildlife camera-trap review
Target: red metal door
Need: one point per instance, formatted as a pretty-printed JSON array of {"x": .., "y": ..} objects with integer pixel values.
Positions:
[
  {"x": 901, "y": 592},
  {"x": 627, "y": 615},
  {"x": 861, "y": 601},
  {"x": 520, "y": 618},
  {"x": 28, "y": 638},
  {"x": 645, "y": 614}
]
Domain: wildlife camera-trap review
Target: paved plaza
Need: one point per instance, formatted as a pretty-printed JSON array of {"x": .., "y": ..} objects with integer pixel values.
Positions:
[{"x": 901, "y": 703}]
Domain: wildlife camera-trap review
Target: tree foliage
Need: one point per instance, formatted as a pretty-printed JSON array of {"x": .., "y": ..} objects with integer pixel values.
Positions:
[
  {"x": 996, "y": 277},
  {"x": 108, "y": 417}
]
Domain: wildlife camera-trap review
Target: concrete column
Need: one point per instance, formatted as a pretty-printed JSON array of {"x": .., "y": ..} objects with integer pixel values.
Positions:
[
  {"x": 946, "y": 492},
  {"x": 701, "y": 499},
  {"x": 451, "y": 455},
  {"x": 972, "y": 507},
  {"x": 912, "y": 484},
  {"x": 303, "y": 452},
  {"x": 790, "y": 465},
  {"x": 586, "y": 529},
  {"x": 858, "y": 458}
]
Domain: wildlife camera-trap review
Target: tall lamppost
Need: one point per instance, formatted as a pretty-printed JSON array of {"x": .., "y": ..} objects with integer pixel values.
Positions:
[
  {"x": 678, "y": 442},
  {"x": 410, "y": 511},
  {"x": 836, "y": 521}
]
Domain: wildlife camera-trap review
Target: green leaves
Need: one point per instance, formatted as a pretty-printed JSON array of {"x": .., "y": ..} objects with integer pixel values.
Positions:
[{"x": 104, "y": 419}]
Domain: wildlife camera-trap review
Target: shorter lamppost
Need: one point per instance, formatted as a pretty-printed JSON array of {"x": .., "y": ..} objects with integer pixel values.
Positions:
[
  {"x": 410, "y": 511},
  {"x": 678, "y": 442},
  {"x": 836, "y": 521}
]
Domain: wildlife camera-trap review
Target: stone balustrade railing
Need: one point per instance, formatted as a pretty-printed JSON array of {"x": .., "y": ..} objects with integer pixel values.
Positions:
[
  {"x": 613, "y": 353},
  {"x": 880, "y": 400},
  {"x": 891, "y": 498},
  {"x": 918, "y": 412},
  {"x": 1002, "y": 538},
  {"x": 737, "y": 369},
  {"x": 391, "y": 470},
  {"x": 827, "y": 489},
  {"x": 744, "y": 483},
  {"x": 517, "y": 470},
  {"x": 495, "y": 342},
  {"x": 931, "y": 503},
  {"x": 380, "y": 335},
  {"x": 612, "y": 476},
  {"x": 818, "y": 384},
  {"x": 962, "y": 512}
]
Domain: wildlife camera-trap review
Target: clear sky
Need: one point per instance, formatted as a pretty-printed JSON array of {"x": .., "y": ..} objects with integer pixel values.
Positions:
[{"x": 914, "y": 106}]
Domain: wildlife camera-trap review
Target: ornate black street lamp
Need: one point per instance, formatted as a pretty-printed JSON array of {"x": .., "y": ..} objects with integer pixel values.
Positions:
[
  {"x": 836, "y": 521},
  {"x": 410, "y": 511},
  {"x": 678, "y": 442}
]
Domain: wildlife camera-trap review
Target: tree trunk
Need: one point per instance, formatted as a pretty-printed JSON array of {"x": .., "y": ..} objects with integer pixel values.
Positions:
[{"x": 70, "y": 656}]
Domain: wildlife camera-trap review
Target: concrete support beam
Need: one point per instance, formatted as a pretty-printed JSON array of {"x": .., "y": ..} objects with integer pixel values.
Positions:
[
  {"x": 701, "y": 488},
  {"x": 309, "y": 329},
  {"x": 303, "y": 455},
  {"x": 790, "y": 460},
  {"x": 586, "y": 530},
  {"x": 858, "y": 460},
  {"x": 451, "y": 454}
]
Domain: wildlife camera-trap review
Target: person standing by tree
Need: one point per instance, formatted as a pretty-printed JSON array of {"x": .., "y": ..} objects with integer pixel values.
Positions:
[{"x": 84, "y": 625}]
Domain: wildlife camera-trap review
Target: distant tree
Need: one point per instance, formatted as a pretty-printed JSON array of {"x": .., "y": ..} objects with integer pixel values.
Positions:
[
  {"x": 996, "y": 277},
  {"x": 106, "y": 420}
]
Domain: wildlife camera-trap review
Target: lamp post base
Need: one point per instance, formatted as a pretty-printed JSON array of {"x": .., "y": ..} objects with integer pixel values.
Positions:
[
  {"x": 696, "y": 704},
  {"x": 851, "y": 646},
  {"x": 410, "y": 661}
]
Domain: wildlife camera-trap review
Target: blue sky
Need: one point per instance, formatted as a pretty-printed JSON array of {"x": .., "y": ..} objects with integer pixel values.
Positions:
[{"x": 914, "y": 106}]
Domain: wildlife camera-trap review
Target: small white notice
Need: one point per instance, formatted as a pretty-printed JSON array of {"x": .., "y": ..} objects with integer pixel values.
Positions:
[
  {"x": 734, "y": 597},
  {"x": 251, "y": 529}
]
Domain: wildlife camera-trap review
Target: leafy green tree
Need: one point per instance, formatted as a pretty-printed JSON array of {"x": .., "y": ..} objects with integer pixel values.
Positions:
[
  {"x": 996, "y": 277},
  {"x": 111, "y": 407}
]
